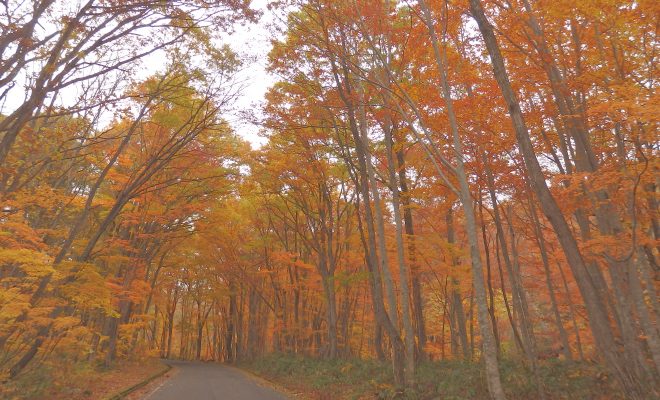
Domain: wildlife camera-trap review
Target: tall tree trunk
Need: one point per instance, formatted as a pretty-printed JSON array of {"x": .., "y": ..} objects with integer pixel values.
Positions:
[
  {"x": 365, "y": 173},
  {"x": 488, "y": 340},
  {"x": 489, "y": 278},
  {"x": 331, "y": 315},
  {"x": 540, "y": 241},
  {"x": 409, "y": 339},
  {"x": 229, "y": 335},
  {"x": 573, "y": 313},
  {"x": 379, "y": 221},
  {"x": 598, "y": 319},
  {"x": 456, "y": 298},
  {"x": 517, "y": 291},
  {"x": 418, "y": 303}
]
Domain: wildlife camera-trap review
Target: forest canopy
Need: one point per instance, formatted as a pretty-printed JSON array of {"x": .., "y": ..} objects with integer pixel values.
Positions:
[{"x": 473, "y": 180}]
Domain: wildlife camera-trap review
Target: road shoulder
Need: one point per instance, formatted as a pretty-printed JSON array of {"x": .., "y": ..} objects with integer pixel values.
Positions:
[
  {"x": 151, "y": 385},
  {"x": 262, "y": 381}
]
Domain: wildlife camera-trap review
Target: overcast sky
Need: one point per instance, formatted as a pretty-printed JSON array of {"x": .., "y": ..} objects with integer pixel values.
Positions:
[{"x": 252, "y": 41}]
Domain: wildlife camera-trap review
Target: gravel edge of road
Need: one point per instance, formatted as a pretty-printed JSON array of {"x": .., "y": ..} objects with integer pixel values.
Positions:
[
  {"x": 139, "y": 385},
  {"x": 268, "y": 383}
]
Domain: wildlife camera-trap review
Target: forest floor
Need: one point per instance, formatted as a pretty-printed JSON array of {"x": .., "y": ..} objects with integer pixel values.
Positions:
[
  {"x": 316, "y": 379},
  {"x": 84, "y": 381}
]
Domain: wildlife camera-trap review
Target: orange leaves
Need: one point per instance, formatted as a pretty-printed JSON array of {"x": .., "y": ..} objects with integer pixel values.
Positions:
[
  {"x": 65, "y": 323},
  {"x": 87, "y": 290},
  {"x": 32, "y": 263},
  {"x": 303, "y": 265},
  {"x": 604, "y": 248},
  {"x": 190, "y": 227},
  {"x": 15, "y": 233},
  {"x": 13, "y": 303},
  {"x": 287, "y": 258}
]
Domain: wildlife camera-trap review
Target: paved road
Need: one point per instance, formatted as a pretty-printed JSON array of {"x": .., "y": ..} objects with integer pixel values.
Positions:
[{"x": 211, "y": 381}]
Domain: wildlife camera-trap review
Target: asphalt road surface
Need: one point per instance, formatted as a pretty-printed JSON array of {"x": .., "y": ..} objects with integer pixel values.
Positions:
[{"x": 211, "y": 381}]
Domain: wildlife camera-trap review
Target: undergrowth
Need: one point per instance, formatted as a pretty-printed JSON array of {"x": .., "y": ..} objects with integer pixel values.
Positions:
[
  {"x": 65, "y": 379},
  {"x": 446, "y": 380}
]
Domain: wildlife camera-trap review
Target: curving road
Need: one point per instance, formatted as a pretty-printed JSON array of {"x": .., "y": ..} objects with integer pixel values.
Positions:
[{"x": 211, "y": 381}]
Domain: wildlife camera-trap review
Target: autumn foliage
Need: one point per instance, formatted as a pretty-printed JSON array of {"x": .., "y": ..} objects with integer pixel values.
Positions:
[{"x": 472, "y": 180}]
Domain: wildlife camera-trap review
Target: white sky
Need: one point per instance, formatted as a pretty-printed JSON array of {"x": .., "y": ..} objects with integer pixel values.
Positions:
[{"x": 252, "y": 41}]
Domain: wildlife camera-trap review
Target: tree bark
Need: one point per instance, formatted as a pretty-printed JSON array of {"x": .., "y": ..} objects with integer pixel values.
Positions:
[
  {"x": 488, "y": 340},
  {"x": 417, "y": 296},
  {"x": 598, "y": 319},
  {"x": 409, "y": 339}
]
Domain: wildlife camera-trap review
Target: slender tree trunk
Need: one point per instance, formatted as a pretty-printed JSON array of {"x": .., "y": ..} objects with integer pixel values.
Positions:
[
  {"x": 598, "y": 318},
  {"x": 489, "y": 278},
  {"x": 378, "y": 342},
  {"x": 378, "y": 219},
  {"x": 418, "y": 304},
  {"x": 520, "y": 306},
  {"x": 331, "y": 315},
  {"x": 540, "y": 241},
  {"x": 573, "y": 313},
  {"x": 229, "y": 334},
  {"x": 488, "y": 340},
  {"x": 365, "y": 174},
  {"x": 409, "y": 339},
  {"x": 456, "y": 298}
]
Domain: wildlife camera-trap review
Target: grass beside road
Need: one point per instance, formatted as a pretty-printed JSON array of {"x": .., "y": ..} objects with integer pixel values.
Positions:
[
  {"x": 82, "y": 381},
  {"x": 449, "y": 380}
]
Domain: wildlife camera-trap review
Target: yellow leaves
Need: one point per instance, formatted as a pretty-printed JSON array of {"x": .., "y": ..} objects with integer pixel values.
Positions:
[
  {"x": 131, "y": 327},
  {"x": 114, "y": 260},
  {"x": 13, "y": 305},
  {"x": 33, "y": 263},
  {"x": 181, "y": 19},
  {"x": 88, "y": 290},
  {"x": 65, "y": 323}
]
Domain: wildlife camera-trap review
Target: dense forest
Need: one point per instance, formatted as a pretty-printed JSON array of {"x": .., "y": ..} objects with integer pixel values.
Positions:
[{"x": 470, "y": 180}]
